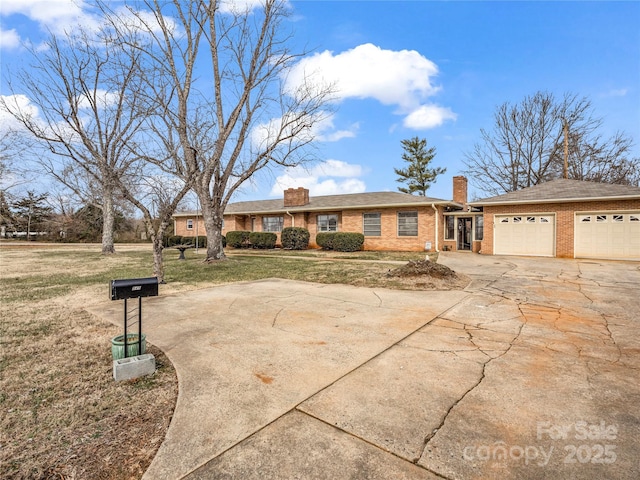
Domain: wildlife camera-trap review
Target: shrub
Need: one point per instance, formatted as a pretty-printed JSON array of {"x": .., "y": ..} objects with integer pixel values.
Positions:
[
  {"x": 238, "y": 239},
  {"x": 348, "y": 241},
  {"x": 325, "y": 240},
  {"x": 263, "y": 239},
  {"x": 295, "y": 238}
]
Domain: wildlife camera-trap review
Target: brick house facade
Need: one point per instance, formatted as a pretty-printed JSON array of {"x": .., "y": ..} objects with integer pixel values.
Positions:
[
  {"x": 389, "y": 220},
  {"x": 562, "y": 218}
]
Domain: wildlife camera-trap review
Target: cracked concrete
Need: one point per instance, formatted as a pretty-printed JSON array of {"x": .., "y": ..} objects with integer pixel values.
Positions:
[{"x": 531, "y": 372}]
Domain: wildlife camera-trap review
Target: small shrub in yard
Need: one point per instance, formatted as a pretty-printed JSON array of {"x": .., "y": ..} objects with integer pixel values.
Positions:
[
  {"x": 238, "y": 239},
  {"x": 348, "y": 241},
  {"x": 202, "y": 241},
  {"x": 295, "y": 238},
  {"x": 262, "y": 239},
  {"x": 325, "y": 240}
]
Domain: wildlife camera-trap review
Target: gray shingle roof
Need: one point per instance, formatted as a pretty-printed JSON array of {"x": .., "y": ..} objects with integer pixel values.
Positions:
[
  {"x": 563, "y": 190},
  {"x": 332, "y": 202}
]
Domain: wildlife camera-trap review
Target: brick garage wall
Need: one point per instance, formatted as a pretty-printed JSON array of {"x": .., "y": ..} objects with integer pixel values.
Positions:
[{"x": 565, "y": 215}]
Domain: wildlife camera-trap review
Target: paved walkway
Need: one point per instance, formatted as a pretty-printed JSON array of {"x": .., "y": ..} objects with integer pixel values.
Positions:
[{"x": 531, "y": 372}]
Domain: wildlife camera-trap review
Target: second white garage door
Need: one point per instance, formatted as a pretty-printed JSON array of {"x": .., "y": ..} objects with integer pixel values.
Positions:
[
  {"x": 608, "y": 235},
  {"x": 532, "y": 234}
]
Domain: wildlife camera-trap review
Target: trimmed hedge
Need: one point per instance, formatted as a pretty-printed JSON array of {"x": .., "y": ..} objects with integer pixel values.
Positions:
[
  {"x": 325, "y": 240},
  {"x": 238, "y": 238},
  {"x": 340, "y": 241},
  {"x": 262, "y": 239},
  {"x": 295, "y": 238},
  {"x": 348, "y": 241}
]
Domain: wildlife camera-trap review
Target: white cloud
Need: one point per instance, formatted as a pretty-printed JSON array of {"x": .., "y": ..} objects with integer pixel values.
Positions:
[
  {"x": 321, "y": 179},
  {"x": 16, "y": 102},
  {"x": 55, "y": 15},
  {"x": 101, "y": 97},
  {"x": 428, "y": 116},
  {"x": 240, "y": 6},
  {"x": 325, "y": 130},
  {"x": 367, "y": 71},
  {"x": 402, "y": 78},
  {"x": 616, "y": 92},
  {"x": 9, "y": 39}
]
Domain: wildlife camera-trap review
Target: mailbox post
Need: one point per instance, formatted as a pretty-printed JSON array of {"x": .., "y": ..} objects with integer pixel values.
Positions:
[{"x": 133, "y": 288}]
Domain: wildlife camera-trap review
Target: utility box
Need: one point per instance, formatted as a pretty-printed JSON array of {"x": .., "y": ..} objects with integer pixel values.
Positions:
[{"x": 134, "y": 288}]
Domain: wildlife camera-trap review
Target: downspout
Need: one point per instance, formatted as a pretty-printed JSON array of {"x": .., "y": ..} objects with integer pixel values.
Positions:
[
  {"x": 293, "y": 219},
  {"x": 436, "y": 215}
]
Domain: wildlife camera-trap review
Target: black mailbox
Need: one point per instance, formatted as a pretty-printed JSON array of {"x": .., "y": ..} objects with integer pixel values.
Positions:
[{"x": 134, "y": 288}]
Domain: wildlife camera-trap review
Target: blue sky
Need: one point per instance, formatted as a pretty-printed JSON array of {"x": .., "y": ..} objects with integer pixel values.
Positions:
[{"x": 435, "y": 70}]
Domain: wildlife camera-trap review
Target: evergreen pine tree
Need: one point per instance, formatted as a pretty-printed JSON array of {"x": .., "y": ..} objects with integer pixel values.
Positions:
[{"x": 418, "y": 176}]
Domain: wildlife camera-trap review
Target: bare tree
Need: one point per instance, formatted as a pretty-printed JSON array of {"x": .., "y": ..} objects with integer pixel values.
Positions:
[
  {"x": 82, "y": 104},
  {"x": 525, "y": 147},
  {"x": 236, "y": 117}
]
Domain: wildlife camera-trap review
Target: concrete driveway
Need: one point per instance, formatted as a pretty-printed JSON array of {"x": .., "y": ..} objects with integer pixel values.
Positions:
[{"x": 531, "y": 372}]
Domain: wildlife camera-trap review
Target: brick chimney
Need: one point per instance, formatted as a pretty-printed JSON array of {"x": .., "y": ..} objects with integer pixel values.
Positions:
[
  {"x": 460, "y": 189},
  {"x": 296, "y": 197}
]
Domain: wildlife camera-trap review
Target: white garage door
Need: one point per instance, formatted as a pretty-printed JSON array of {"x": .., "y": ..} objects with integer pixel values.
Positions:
[
  {"x": 608, "y": 235},
  {"x": 524, "y": 235}
]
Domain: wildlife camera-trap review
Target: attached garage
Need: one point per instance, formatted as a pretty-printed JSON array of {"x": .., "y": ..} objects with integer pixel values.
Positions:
[
  {"x": 564, "y": 218},
  {"x": 524, "y": 234},
  {"x": 613, "y": 235}
]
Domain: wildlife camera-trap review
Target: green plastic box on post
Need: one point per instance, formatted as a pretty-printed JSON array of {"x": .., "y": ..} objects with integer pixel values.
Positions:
[{"x": 117, "y": 346}]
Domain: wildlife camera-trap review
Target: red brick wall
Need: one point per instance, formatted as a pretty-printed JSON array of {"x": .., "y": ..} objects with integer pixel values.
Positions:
[
  {"x": 565, "y": 214},
  {"x": 348, "y": 221}
]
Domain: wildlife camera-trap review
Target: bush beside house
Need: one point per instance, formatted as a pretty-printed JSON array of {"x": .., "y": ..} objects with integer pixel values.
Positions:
[
  {"x": 295, "y": 238},
  {"x": 238, "y": 238},
  {"x": 340, "y": 241},
  {"x": 262, "y": 240}
]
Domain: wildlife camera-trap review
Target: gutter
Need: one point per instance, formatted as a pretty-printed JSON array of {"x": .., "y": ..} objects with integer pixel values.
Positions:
[
  {"x": 293, "y": 219},
  {"x": 436, "y": 215}
]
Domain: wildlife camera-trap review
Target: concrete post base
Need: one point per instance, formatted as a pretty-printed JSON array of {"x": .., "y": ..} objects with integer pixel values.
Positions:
[{"x": 133, "y": 367}]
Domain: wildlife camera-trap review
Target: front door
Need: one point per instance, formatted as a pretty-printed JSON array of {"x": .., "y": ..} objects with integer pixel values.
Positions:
[{"x": 464, "y": 233}]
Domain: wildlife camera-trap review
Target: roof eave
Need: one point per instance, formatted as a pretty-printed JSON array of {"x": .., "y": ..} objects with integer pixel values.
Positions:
[
  {"x": 307, "y": 208},
  {"x": 554, "y": 200}
]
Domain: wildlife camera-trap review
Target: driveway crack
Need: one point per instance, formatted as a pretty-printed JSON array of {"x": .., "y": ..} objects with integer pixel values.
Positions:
[{"x": 482, "y": 376}]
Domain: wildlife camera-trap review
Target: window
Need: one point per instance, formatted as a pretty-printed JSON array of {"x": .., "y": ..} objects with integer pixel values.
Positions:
[
  {"x": 586, "y": 219},
  {"x": 544, "y": 220},
  {"x": 634, "y": 218},
  {"x": 517, "y": 219},
  {"x": 189, "y": 224},
  {"x": 479, "y": 227},
  {"x": 505, "y": 220},
  {"x": 371, "y": 225},
  {"x": 327, "y": 223},
  {"x": 407, "y": 224},
  {"x": 618, "y": 218},
  {"x": 601, "y": 218},
  {"x": 450, "y": 227},
  {"x": 531, "y": 219},
  {"x": 272, "y": 224}
]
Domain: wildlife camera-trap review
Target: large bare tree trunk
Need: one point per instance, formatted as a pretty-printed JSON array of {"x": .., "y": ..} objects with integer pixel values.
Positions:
[
  {"x": 213, "y": 225},
  {"x": 108, "y": 223},
  {"x": 158, "y": 262}
]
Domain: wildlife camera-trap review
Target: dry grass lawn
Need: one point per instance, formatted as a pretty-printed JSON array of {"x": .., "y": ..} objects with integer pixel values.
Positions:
[{"x": 63, "y": 416}]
